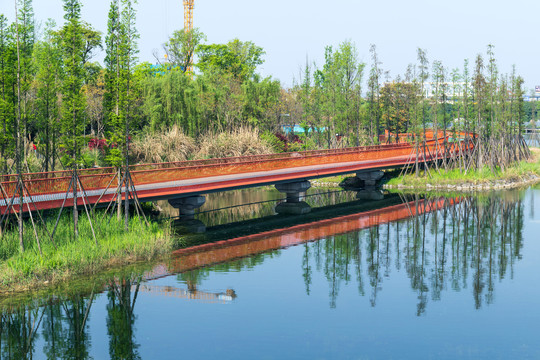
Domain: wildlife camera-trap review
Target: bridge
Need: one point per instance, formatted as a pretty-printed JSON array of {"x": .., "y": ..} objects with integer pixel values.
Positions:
[{"x": 183, "y": 183}]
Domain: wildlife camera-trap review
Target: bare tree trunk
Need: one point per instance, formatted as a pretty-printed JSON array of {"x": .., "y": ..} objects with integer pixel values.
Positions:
[{"x": 18, "y": 144}]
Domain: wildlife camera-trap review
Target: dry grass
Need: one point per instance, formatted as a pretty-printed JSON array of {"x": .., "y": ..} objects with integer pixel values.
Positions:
[
  {"x": 170, "y": 146},
  {"x": 239, "y": 142}
]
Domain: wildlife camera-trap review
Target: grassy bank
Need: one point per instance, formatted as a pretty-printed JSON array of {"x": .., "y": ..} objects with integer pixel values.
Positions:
[
  {"x": 331, "y": 181},
  {"x": 71, "y": 257},
  {"x": 513, "y": 174}
]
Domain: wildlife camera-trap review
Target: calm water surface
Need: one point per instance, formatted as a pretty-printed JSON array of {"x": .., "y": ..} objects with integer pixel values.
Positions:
[{"x": 398, "y": 278}]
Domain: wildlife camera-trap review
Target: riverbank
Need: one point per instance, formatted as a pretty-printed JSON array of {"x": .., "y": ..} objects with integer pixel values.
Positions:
[
  {"x": 68, "y": 258},
  {"x": 332, "y": 181},
  {"x": 520, "y": 174}
]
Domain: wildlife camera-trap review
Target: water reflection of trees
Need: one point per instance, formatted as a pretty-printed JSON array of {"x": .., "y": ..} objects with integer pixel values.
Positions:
[
  {"x": 121, "y": 318},
  {"x": 246, "y": 204},
  {"x": 474, "y": 242},
  {"x": 63, "y": 324},
  {"x": 470, "y": 243},
  {"x": 249, "y": 204},
  {"x": 18, "y": 332},
  {"x": 193, "y": 278}
]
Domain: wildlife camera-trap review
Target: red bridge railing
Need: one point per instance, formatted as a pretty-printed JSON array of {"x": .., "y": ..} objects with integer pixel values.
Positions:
[{"x": 54, "y": 183}]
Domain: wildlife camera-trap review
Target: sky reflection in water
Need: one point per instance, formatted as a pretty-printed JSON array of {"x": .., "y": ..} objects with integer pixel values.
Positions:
[{"x": 458, "y": 280}]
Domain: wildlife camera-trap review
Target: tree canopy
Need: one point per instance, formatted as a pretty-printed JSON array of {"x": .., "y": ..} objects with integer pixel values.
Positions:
[{"x": 237, "y": 58}]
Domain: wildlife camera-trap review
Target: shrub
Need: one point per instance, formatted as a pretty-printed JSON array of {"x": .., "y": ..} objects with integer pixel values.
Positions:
[
  {"x": 92, "y": 157},
  {"x": 277, "y": 144},
  {"x": 283, "y": 143},
  {"x": 239, "y": 142}
]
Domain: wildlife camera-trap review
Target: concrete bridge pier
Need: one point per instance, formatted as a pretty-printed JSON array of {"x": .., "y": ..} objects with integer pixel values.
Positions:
[
  {"x": 370, "y": 178},
  {"x": 186, "y": 207},
  {"x": 294, "y": 204},
  {"x": 363, "y": 180}
]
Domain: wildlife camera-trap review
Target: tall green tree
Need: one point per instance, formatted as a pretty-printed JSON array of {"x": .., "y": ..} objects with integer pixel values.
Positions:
[
  {"x": 27, "y": 38},
  {"x": 351, "y": 87},
  {"x": 180, "y": 48},
  {"x": 111, "y": 97},
  {"x": 480, "y": 100},
  {"x": 73, "y": 120},
  {"x": 120, "y": 61},
  {"x": 48, "y": 64},
  {"x": 373, "y": 94},
  {"x": 238, "y": 58},
  {"x": 8, "y": 71}
]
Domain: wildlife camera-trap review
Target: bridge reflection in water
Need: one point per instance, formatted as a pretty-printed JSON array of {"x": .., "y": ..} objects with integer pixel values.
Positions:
[{"x": 440, "y": 243}]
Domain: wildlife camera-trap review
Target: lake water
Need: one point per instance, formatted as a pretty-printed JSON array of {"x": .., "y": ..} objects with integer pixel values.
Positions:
[{"x": 403, "y": 277}]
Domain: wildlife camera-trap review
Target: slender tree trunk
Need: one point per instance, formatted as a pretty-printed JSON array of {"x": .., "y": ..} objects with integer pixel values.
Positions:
[
  {"x": 18, "y": 144},
  {"x": 75, "y": 179},
  {"x": 126, "y": 153},
  {"x": 47, "y": 139}
]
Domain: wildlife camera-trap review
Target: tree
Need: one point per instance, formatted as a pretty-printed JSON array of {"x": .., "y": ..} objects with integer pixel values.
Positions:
[
  {"x": 8, "y": 71},
  {"x": 330, "y": 82},
  {"x": 238, "y": 58},
  {"x": 47, "y": 59},
  {"x": 373, "y": 94},
  {"x": 73, "y": 119},
  {"x": 94, "y": 93},
  {"x": 121, "y": 319},
  {"x": 27, "y": 38},
  {"x": 479, "y": 86},
  {"x": 91, "y": 41},
  {"x": 180, "y": 49},
  {"x": 394, "y": 96},
  {"x": 351, "y": 86}
]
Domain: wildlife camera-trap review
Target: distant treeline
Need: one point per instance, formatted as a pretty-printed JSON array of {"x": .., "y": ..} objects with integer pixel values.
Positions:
[{"x": 56, "y": 101}]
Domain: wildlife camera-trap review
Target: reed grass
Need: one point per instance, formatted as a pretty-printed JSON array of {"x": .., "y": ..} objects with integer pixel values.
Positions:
[
  {"x": 242, "y": 141},
  {"x": 76, "y": 256},
  {"x": 168, "y": 146}
]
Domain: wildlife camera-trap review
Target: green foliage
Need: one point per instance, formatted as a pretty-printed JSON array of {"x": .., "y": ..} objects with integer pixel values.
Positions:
[
  {"x": 211, "y": 102},
  {"x": 334, "y": 101},
  {"x": 180, "y": 49},
  {"x": 78, "y": 256},
  {"x": 277, "y": 144},
  {"x": 121, "y": 86},
  {"x": 92, "y": 158},
  {"x": 7, "y": 96},
  {"x": 475, "y": 176},
  {"x": 47, "y": 60},
  {"x": 170, "y": 99},
  {"x": 73, "y": 102},
  {"x": 236, "y": 57},
  {"x": 397, "y": 99},
  {"x": 65, "y": 96}
]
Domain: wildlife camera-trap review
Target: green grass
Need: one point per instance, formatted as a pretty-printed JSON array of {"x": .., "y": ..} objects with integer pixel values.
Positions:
[
  {"x": 482, "y": 176},
  {"x": 73, "y": 257},
  {"x": 332, "y": 179}
]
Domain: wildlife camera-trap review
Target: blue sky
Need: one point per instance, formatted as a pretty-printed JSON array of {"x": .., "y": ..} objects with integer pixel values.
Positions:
[{"x": 290, "y": 31}]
